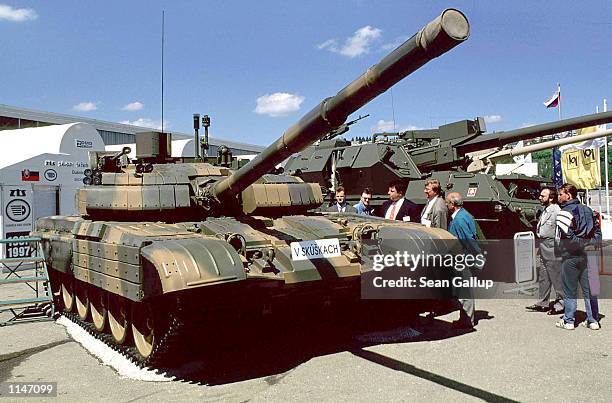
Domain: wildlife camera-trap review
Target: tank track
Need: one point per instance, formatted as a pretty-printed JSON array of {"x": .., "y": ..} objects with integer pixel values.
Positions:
[{"x": 166, "y": 351}]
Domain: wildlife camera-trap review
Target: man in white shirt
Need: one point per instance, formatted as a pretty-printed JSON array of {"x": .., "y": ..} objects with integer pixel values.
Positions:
[{"x": 435, "y": 213}]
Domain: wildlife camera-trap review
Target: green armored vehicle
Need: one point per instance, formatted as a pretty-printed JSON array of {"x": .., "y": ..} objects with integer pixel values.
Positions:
[
  {"x": 160, "y": 244},
  {"x": 460, "y": 155}
]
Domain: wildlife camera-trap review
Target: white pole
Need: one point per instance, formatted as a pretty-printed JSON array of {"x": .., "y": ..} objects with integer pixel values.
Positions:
[
  {"x": 600, "y": 190},
  {"x": 605, "y": 108},
  {"x": 588, "y": 204},
  {"x": 559, "y": 95}
]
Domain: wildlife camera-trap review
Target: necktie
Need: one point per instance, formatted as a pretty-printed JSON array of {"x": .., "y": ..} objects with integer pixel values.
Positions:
[
  {"x": 392, "y": 215},
  {"x": 426, "y": 209}
]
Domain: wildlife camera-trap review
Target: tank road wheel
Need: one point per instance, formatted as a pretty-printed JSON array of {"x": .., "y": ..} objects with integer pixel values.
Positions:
[
  {"x": 81, "y": 299},
  {"x": 55, "y": 281},
  {"x": 67, "y": 291},
  {"x": 98, "y": 303},
  {"x": 143, "y": 328},
  {"x": 118, "y": 319}
]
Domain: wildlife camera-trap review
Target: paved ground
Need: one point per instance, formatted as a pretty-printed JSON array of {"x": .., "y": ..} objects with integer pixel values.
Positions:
[{"x": 513, "y": 355}]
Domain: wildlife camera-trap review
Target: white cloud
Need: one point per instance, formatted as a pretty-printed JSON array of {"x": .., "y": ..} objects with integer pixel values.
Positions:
[
  {"x": 493, "y": 119},
  {"x": 85, "y": 106},
  {"x": 133, "y": 106},
  {"x": 146, "y": 122},
  {"x": 356, "y": 45},
  {"x": 278, "y": 104},
  {"x": 9, "y": 13},
  {"x": 387, "y": 126},
  {"x": 330, "y": 44}
]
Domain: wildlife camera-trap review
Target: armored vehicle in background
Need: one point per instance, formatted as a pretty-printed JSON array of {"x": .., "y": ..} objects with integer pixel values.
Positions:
[
  {"x": 460, "y": 155},
  {"x": 161, "y": 244}
]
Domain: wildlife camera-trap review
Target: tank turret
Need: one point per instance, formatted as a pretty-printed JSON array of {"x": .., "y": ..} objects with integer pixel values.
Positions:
[
  {"x": 459, "y": 144},
  {"x": 459, "y": 154}
]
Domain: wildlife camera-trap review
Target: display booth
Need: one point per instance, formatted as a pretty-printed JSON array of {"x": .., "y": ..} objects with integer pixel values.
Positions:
[{"x": 41, "y": 170}]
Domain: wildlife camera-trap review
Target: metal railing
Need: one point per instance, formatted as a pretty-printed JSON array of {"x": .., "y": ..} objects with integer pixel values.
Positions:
[{"x": 38, "y": 303}]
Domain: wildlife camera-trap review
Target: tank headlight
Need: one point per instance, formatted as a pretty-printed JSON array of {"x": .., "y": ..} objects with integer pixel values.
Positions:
[{"x": 498, "y": 208}]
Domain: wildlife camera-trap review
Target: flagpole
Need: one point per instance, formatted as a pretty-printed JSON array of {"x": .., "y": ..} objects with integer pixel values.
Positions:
[
  {"x": 605, "y": 108},
  {"x": 556, "y": 153},
  {"x": 600, "y": 190},
  {"x": 559, "y": 95}
]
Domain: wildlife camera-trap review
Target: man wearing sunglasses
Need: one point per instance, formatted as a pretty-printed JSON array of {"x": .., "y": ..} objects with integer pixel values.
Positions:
[{"x": 364, "y": 207}]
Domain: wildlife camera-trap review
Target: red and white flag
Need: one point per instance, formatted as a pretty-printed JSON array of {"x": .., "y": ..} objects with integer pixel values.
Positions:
[{"x": 553, "y": 101}]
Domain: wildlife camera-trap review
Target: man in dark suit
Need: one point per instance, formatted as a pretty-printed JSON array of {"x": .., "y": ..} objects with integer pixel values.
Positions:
[
  {"x": 341, "y": 206},
  {"x": 398, "y": 207},
  {"x": 463, "y": 226}
]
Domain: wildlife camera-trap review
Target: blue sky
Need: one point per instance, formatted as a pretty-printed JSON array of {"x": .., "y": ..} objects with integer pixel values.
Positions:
[{"x": 257, "y": 67}]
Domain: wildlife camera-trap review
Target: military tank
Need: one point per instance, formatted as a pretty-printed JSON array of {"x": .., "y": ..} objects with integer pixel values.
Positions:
[
  {"x": 460, "y": 155},
  {"x": 160, "y": 245}
]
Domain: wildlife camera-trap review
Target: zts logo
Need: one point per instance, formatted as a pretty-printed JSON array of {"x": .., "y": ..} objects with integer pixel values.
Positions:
[{"x": 17, "y": 193}]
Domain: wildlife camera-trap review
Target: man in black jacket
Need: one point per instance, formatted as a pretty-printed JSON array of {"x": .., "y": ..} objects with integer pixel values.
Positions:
[
  {"x": 398, "y": 207},
  {"x": 577, "y": 232}
]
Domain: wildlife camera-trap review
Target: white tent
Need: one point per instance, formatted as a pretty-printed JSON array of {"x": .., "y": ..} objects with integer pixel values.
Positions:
[
  {"x": 22, "y": 144},
  {"x": 41, "y": 170}
]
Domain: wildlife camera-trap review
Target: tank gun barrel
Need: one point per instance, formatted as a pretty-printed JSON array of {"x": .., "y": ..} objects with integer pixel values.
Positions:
[
  {"x": 503, "y": 138},
  {"x": 436, "y": 38},
  {"x": 550, "y": 144}
]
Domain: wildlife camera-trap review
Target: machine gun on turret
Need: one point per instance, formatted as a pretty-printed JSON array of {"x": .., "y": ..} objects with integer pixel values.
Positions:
[{"x": 343, "y": 128}]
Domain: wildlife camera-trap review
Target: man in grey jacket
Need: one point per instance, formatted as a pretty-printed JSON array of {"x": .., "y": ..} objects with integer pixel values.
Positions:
[
  {"x": 549, "y": 267},
  {"x": 435, "y": 213}
]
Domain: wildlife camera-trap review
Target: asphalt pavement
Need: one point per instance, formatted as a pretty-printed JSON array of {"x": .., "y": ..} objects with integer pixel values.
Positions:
[{"x": 512, "y": 355}]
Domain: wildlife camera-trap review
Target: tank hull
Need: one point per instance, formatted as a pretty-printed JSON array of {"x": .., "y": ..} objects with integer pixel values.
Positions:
[{"x": 141, "y": 286}]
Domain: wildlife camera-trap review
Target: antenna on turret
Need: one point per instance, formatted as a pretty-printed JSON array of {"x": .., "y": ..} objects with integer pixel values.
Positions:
[{"x": 162, "y": 71}]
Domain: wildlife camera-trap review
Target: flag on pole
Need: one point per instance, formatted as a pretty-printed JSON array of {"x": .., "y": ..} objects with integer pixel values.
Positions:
[{"x": 553, "y": 101}]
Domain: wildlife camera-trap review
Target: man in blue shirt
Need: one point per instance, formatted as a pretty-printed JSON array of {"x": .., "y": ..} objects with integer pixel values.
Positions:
[
  {"x": 364, "y": 207},
  {"x": 463, "y": 226}
]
